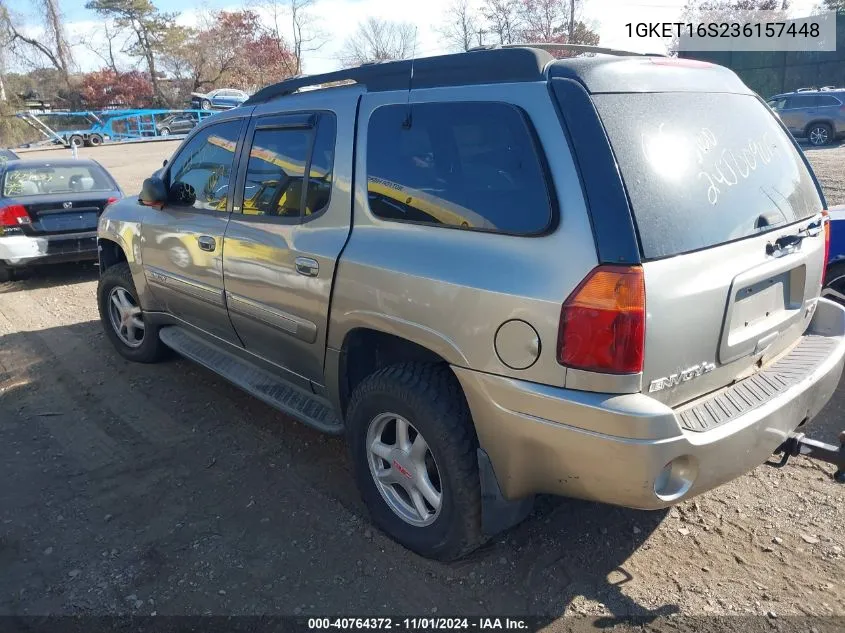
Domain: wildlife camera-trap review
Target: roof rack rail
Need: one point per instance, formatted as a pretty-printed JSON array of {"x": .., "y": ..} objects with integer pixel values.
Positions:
[
  {"x": 580, "y": 48},
  {"x": 496, "y": 65}
]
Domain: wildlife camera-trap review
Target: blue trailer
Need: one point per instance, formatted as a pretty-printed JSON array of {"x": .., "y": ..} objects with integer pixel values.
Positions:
[{"x": 102, "y": 126}]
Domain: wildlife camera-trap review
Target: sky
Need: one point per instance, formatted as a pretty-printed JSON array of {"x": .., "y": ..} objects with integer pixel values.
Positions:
[{"x": 339, "y": 18}]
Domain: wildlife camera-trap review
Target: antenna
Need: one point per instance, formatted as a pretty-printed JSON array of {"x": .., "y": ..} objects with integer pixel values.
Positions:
[{"x": 407, "y": 122}]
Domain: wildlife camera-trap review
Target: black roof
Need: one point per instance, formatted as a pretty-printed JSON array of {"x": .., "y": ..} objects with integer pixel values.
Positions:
[
  {"x": 615, "y": 71},
  {"x": 499, "y": 65}
]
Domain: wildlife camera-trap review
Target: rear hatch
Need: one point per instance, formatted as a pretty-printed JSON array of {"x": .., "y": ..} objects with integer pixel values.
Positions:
[{"x": 729, "y": 223}]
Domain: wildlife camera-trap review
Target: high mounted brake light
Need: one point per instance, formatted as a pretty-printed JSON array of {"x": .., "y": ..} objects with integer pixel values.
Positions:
[
  {"x": 602, "y": 323},
  {"x": 14, "y": 215}
]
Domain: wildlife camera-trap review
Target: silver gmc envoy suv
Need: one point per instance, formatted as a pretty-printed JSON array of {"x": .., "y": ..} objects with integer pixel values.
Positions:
[{"x": 498, "y": 274}]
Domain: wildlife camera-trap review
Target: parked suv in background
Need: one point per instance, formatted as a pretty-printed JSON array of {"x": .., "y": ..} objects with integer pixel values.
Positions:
[
  {"x": 176, "y": 124},
  {"x": 817, "y": 115},
  {"x": 222, "y": 98},
  {"x": 519, "y": 276}
]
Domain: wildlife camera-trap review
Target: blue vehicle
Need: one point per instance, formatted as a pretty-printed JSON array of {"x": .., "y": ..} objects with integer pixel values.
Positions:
[
  {"x": 834, "y": 279},
  {"x": 220, "y": 99}
]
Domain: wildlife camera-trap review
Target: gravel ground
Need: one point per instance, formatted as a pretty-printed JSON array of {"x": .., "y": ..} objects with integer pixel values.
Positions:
[
  {"x": 139, "y": 489},
  {"x": 829, "y": 165}
]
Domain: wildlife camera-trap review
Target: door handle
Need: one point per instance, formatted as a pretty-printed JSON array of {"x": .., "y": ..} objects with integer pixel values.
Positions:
[
  {"x": 207, "y": 243},
  {"x": 307, "y": 266}
]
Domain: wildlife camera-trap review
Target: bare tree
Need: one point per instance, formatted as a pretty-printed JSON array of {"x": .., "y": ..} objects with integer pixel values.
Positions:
[
  {"x": 106, "y": 43},
  {"x": 50, "y": 44},
  {"x": 292, "y": 20},
  {"x": 460, "y": 27},
  {"x": 378, "y": 40},
  {"x": 503, "y": 19}
]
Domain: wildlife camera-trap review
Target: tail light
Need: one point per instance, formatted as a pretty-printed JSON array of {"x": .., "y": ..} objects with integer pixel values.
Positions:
[
  {"x": 14, "y": 215},
  {"x": 602, "y": 323},
  {"x": 111, "y": 200}
]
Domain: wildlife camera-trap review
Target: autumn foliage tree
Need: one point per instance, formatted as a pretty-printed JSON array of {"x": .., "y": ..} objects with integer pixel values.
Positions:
[
  {"x": 229, "y": 48},
  {"x": 105, "y": 88}
]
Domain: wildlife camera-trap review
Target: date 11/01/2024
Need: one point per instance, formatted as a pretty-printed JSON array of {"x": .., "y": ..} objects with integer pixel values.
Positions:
[
  {"x": 723, "y": 29},
  {"x": 422, "y": 623}
]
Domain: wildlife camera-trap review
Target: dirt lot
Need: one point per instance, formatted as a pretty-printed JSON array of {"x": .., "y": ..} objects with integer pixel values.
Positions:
[{"x": 162, "y": 489}]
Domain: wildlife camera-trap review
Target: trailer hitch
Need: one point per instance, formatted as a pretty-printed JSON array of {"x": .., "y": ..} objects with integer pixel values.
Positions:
[{"x": 800, "y": 444}]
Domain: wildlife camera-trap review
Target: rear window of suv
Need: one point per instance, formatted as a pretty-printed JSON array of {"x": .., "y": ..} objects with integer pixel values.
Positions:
[
  {"x": 472, "y": 165},
  {"x": 703, "y": 169}
]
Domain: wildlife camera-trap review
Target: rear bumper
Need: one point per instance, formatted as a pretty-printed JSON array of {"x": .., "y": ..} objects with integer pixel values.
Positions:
[
  {"x": 613, "y": 448},
  {"x": 25, "y": 250}
]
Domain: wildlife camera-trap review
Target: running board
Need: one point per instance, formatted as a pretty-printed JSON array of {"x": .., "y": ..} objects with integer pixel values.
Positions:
[{"x": 279, "y": 394}]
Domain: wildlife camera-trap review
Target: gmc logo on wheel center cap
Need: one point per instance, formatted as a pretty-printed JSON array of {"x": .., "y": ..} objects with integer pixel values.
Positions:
[{"x": 402, "y": 469}]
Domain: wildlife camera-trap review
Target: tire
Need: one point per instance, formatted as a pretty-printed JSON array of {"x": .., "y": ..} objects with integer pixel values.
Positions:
[
  {"x": 165, "y": 131},
  {"x": 76, "y": 140},
  {"x": 6, "y": 274},
  {"x": 430, "y": 399},
  {"x": 834, "y": 283},
  {"x": 205, "y": 104},
  {"x": 95, "y": 140},
  {"x": 150, "y": 349},
  {"x": 819, "y": 134}
]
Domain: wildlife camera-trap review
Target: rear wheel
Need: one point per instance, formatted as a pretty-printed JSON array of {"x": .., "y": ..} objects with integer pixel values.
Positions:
[
  {"x": 76, "y": 141},
  {"x": 95, "y": 140},
  {"x": 205, "y": 104},
  {"x": 413, "y": 450},
  {"x": 834, "y": 283},
  {"x": 819, "y": 134},
  {"x": 122, "y": 317},
  {"x": 6, "y": 274},
  {"x": 165, "y": 131}
]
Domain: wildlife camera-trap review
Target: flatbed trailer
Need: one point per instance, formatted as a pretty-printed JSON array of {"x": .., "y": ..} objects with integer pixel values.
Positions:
[{"x": 103, "y": 125}]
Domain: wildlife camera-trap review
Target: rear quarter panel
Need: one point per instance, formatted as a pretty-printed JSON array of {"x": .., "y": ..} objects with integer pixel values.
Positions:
[{"x": 450, "y": 290}]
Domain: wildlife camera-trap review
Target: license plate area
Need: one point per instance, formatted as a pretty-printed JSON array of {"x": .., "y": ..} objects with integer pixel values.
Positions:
[
  {"x": 68, "y": 221},
  {"x": 762, "y": 303}
]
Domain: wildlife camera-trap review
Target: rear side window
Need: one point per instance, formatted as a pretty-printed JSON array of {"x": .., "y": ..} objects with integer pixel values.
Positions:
[
  {"x": 827, "y": 100},
  {"x": 469, "y": 165},
  {"x": 703, "y": 169}
]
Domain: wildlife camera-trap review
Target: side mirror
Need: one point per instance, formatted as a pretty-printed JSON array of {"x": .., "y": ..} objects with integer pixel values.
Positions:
[
  {"x": 182, "y": 194},
  {"x": 153, "y": 192},
  {"x": 164, "y": 163}
]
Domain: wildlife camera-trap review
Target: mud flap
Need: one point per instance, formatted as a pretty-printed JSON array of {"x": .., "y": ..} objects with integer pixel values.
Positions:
[{"x": 497, "y": 513}]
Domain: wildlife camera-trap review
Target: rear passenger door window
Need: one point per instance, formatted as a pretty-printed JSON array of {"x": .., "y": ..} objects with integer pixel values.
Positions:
[
  {"x": 471, "y": 165},
  {"x": 800, "y": 102},
  {"x": 282, "y": 153}
]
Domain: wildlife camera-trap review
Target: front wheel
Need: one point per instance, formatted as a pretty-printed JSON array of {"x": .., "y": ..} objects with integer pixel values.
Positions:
[
  {"x": 820, "y": 134},
  {"x": 414, "y": 453},
  {"x": 206, "y": 104},
  {"x": 123, "y": 319},
  {"x": 165, "y": 131}
]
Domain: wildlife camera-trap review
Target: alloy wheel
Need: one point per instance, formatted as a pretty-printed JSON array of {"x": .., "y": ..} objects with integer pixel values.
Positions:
[
  {"x": 818, "y": 136},
  {"x": 126, "y": 317},
  {"x": 404, "y": 470}
]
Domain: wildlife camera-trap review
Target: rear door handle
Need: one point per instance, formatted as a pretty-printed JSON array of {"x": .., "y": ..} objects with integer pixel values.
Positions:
[
  {"x": 307, "y": 266},
  {"x": 207, "y": 243}
]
